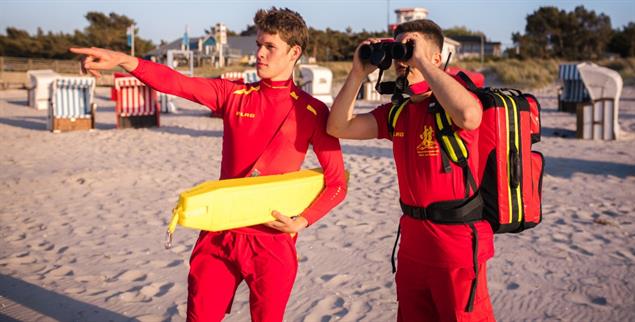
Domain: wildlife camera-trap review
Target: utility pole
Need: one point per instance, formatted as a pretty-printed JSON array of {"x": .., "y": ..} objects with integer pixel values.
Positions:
[
  {"x": 130, "y": 33},
  {"x": 388, "y": 16}
]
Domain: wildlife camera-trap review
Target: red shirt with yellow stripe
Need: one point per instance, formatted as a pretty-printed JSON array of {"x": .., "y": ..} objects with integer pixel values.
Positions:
[
  {"x": 422, "y": 182},
  {"x": 252, "y": 113}
]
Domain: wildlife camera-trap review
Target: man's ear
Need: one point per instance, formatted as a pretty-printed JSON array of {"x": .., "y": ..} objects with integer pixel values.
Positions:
[
  {"x": 296, "y": 52},
  {"x": 437, "y": 59}
]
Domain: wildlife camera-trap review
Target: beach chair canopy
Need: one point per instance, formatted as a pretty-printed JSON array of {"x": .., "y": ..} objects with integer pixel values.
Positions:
[
  {"x": 600, "y": 82},
  {"x": 573, "y": 89},
  {"x": 39, "y": 83},
  {"x": 317, "y": 80}
]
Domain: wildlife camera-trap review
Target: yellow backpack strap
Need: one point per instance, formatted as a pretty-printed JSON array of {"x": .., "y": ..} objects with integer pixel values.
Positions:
[
  {"x": 393, "y": 115},
  {"x": 452, "y": 146}
]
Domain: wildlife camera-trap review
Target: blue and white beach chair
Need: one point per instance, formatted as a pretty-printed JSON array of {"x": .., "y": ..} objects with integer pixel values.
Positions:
[
  {"x": 71, "y": 105},
  {"x": 573, "y": 91}
]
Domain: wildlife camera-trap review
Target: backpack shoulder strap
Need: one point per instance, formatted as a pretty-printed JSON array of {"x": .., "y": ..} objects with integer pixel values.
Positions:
[
  {"x": 393, "y": 115},
  {"x": 468, "y": 81},
  {"x": 452, "y": 146}
]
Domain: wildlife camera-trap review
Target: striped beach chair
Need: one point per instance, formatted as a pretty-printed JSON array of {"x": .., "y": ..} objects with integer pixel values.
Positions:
[
  {"x": 573, "y": 91},
  {"x": 137, "y": 104},
  {"x": 166, "y": 101},
  {"x": 233, "y": 76},
  {"x": 250, "y": 76},
  {"x": 71, "y": 106}
]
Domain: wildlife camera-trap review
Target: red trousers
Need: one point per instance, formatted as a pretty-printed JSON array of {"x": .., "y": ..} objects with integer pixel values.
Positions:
[
  {"x": 222, "y": 260},
  {"x": 440, "y": 294}
]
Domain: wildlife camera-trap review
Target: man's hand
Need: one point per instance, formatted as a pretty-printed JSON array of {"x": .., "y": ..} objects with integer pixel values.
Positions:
[
  {"x": 97, "y": 59},
  {"x": 422, "y": 53},
  {"x": 286, "y": 224},
  {"x": 361, "y": 68}
]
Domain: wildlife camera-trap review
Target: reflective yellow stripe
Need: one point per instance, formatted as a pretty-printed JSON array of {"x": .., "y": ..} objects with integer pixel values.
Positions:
[
  {"x": 399, "y": 109},
  {"x": 517, "y": 143},
  {"x": 459, "y": 141},
  {"x": 446, "y": 140},
  {"x": 246, "y": 91},
  {"x": 311, "y": 109},
  {"x": 447, "y": 143},
  {"x": 509, "y": 191}
]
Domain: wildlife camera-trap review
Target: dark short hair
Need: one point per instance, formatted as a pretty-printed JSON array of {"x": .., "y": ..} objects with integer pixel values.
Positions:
[
  {"x": 428, "y": 28},
  {"x": 285, "y": 22}
]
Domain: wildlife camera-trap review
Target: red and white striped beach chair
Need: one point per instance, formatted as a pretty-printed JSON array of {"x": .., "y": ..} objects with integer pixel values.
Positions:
[
  {"x": 137, "y": 104},
  {"x": 71, "y": 105},
  {"x": 233, "y": 76}
]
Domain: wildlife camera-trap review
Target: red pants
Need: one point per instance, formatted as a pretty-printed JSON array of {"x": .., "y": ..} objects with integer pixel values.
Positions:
[
  {"x": 440, "y": 294},
  {"x": 221, "y": 260}
]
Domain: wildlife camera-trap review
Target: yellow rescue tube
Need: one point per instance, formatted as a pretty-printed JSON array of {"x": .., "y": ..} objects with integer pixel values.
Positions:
[{"x": 234, "y": 203}]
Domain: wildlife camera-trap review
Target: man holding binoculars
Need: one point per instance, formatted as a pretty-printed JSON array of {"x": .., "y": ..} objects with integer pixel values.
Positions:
[{"x": 441, "y": 274}]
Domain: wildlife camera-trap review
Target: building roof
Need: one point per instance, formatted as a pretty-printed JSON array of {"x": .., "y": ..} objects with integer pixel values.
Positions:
[
  {"x": 246, "y": 44},
  {"x": 476, "y": 39}
]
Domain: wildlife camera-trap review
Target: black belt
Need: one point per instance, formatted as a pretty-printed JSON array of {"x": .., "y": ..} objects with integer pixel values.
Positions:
[
  {"x": 461, "y": 211},
  {"x": 464, "y": 211}
]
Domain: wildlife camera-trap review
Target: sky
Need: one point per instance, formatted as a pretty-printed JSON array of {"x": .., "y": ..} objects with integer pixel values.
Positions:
[{"x": 167, "y": 20}]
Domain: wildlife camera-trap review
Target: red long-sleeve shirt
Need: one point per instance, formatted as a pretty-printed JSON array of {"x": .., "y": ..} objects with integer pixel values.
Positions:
[{"x": 251, "y": 116}]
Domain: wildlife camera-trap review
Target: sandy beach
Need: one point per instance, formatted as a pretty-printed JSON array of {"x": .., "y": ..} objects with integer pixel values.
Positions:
[{"x": 83, "y": 217}]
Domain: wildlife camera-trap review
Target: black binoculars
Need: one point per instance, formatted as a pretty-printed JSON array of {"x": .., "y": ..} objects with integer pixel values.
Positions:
[{"x": 382, "y": 53}]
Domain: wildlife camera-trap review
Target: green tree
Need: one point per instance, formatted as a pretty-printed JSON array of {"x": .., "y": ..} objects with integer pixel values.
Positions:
[
  {"x": 110, "y": 32},
  {"x": 623, "y": 41},
  {"x": 551, "y": 32},
  {"x": 461, "y": 31},
  {"x": 102, "y": 31}
]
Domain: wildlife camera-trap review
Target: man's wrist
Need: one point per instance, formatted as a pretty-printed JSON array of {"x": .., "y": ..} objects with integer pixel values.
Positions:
[{"x": 129, "y": 63}]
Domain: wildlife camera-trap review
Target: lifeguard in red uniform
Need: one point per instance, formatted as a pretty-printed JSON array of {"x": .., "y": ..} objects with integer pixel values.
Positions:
[
  {"x": 264, "y": 256},
  {"x": 441, "y": 273}
]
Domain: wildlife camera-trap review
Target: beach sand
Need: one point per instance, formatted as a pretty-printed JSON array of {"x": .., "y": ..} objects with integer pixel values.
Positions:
[{"x": 83, "y": 218}]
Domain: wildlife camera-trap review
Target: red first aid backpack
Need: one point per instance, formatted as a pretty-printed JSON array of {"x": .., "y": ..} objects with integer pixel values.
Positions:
[{"x": 511, "y": 173}]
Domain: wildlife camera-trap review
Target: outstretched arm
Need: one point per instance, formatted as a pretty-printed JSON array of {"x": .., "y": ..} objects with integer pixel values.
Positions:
[
  {"x": 98, "y": 59},
  {"x": 342, "y": 123},
  {"x": 208, "y": 92}
]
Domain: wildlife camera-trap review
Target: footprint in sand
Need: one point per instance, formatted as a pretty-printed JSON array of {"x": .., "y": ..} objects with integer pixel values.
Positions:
[
  {"x": 132, "y": 276},
  {"x": 61, "y": 271},
  {"x": 165, "y": 263},
  {"x": 327, "y": 309},
  {"x": 21, "y": 258},
  {"x": 150, "y": 318},
  {"x": 44, "y": 245},
  {"x": 16, "y": 237},
  {"x": 75, "y": 290},
  {"x": 156, "y": 289},
  {"x": 132, "y": 296},
  {"x": 83, "y": 230},
  {"x": 179, "y": 249},
  {"x": 377, "y": 257},
  {"x": 336, "y": 281}
]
